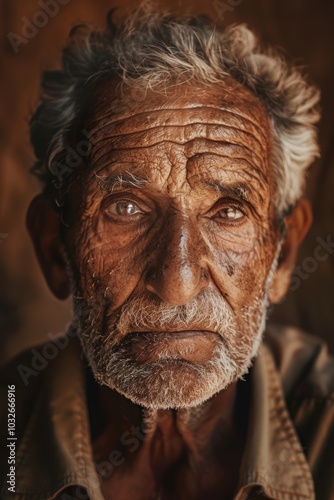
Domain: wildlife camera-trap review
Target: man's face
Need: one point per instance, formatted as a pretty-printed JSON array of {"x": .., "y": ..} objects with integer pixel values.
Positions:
[{"x": 172, "y": 241}]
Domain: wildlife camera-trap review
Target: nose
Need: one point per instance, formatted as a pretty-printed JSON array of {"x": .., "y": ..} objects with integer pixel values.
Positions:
[{"x": 178, "y": 272}]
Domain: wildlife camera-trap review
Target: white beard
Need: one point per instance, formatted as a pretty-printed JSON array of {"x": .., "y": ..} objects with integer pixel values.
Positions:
[{"x": 170, "y": 382}]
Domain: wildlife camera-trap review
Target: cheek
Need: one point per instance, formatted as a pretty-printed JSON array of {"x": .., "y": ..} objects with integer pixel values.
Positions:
[
  {"x": 241, "y": 263},
  {"x": 121, "y": 238},
  {"x": 108, "y": 268}
]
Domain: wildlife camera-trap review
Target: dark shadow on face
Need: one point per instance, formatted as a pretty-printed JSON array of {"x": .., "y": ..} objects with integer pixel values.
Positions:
[{"x": 173, "y": 238}]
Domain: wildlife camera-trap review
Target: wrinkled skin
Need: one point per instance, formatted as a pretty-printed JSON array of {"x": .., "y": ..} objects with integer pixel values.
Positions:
[
  {"x": 186, "y": 235},
  {"x": 193, "y": 215}
]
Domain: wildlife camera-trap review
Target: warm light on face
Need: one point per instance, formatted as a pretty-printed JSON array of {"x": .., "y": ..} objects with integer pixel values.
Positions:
[{"x": 173, "y": 244}]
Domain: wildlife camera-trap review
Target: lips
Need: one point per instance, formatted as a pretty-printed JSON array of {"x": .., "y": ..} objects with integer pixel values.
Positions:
[
  {"x": 170, "y": 334},
  {"x": 189, "y": 333},
  {"x": 188, "y": 345}
]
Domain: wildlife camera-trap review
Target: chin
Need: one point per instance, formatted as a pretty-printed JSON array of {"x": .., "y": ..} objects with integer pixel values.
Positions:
[
  {"x": 158, "y": 370},
  {"x": 168, "y": 383}
]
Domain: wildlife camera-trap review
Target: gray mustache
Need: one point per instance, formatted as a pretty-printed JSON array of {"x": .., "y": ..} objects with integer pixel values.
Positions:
[{"x": 207, "y": 311}]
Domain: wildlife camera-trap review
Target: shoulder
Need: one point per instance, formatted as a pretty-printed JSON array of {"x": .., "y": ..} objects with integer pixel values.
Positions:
[
  {"x": 305, "y": 367},
  {"x": 22, "y": 381},
  {"x": 306, "y": 370},
  {"x": 27, "y": 368},
  {"x": 27, "y": 376}
]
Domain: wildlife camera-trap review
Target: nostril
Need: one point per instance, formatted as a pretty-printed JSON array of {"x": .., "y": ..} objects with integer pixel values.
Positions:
[
  {"x": 204, "y": 274},
  {"x": 151, "y": 274}
]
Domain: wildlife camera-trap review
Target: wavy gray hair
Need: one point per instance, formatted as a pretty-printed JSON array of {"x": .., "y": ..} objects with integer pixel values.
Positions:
[{"x": 149, "y": 48}]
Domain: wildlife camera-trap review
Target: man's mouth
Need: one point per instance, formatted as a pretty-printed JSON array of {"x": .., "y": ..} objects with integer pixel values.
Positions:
[
  {"x": 171, "y": 334},
  {"x": 188, "y": 345}
]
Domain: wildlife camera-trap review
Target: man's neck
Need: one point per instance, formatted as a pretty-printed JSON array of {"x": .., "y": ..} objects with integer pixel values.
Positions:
[{"x": 162, "y": 440}]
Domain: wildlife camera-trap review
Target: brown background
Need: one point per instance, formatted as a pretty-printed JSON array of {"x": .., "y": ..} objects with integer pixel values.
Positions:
[{"x": 305, "y": 28}]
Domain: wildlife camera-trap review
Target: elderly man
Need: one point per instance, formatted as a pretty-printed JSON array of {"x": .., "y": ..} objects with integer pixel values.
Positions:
[{"x": 173, "y": 155}]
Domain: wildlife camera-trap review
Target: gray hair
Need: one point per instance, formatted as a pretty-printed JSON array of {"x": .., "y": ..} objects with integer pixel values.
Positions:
[{"x": 150, "y": 48}]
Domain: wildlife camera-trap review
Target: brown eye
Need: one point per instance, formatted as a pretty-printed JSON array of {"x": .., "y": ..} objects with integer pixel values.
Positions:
[
  {"x": 123, "y": 208},
  {"x": 230, "y": 213}
]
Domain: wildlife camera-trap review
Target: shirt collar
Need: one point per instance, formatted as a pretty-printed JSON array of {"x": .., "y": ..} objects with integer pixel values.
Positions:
[
  {"x": 55, "y": 451},
  {"x": 273, "y": 458}
]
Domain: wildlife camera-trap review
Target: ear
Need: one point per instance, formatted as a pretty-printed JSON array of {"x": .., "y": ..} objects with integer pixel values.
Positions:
[
  {"x": 43, "y": 224},
  {"x": 297, "y": 225}
]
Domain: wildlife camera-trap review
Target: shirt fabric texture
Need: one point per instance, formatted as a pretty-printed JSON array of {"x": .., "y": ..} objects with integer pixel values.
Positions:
[{"x": 289, "y": 452}]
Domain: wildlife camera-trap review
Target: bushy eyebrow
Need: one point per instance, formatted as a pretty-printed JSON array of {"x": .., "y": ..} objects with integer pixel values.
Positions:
[
  {"x": 239, "y": 190},
  {"x": 127, "y": 180},
  {"x": 112, "y": 182}
]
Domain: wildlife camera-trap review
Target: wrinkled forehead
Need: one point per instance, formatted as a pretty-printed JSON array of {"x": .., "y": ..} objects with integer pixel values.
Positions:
[{"x": 117, "y": 109}]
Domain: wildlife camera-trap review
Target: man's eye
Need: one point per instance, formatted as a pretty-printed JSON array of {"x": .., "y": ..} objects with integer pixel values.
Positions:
[
  {"x": 230, "y": 213},
  {"x": 123, "y": 208}
]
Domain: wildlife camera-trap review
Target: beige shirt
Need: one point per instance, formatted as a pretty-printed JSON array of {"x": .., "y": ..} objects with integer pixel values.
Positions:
[{"x": 289, "y": 452}]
